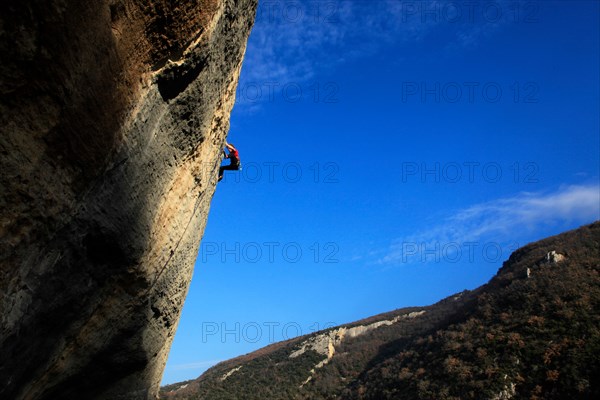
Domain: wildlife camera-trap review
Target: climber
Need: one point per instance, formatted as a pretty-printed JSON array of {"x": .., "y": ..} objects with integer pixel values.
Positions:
[{"x": 234, "y": 164}]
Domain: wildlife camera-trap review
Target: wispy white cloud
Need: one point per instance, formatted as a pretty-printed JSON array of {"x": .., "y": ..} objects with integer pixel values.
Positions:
[
  {"x": 502, "y": 221},
  {"x": 292, "y": 41},
  {"x": 528, "y": 210}
]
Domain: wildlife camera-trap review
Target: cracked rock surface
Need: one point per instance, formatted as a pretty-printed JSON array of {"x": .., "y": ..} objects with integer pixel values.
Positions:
[{"x": 113, "y": 114}]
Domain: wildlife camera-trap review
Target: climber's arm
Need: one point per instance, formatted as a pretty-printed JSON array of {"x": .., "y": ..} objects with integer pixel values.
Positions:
[{"x": 229, "y": 147}]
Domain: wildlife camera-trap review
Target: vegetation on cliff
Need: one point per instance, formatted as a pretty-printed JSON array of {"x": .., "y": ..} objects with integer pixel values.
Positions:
[{"x": 532, "y": 332}]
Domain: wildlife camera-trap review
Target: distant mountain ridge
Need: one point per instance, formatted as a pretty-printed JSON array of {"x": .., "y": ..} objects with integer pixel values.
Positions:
[{"x": 532, "y": 332}]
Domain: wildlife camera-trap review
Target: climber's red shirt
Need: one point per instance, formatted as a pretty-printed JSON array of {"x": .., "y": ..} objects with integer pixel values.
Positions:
[{"x": 234, "y": 156}]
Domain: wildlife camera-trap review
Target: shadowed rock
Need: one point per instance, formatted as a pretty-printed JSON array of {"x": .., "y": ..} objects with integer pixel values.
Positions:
[{"x": 113, "y": 114}]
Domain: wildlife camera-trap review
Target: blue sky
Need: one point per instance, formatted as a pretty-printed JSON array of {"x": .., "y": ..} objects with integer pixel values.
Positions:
[{"x": 394, "y": 153}]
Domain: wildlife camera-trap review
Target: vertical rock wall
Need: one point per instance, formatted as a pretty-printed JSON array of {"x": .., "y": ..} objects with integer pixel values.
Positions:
[{"x": 113, "y": 114}]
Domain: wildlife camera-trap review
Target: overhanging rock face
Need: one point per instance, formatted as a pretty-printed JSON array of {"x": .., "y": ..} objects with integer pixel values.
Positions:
[{"x": 113, "y": 114}]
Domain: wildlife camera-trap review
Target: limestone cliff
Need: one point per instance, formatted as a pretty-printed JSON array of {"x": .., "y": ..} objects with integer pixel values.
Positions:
[{"x": 112, "y": 117}]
